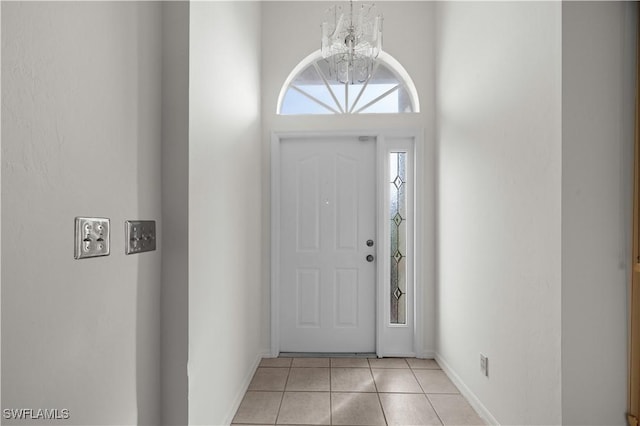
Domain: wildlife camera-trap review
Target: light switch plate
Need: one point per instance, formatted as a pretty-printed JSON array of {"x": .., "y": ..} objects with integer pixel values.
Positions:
[
  {"x": 91, "y": 237},
  {"x": 140, "y": 236}
]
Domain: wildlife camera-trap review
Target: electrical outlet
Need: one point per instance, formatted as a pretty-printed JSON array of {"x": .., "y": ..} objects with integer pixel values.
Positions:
[
  {"x": 91, "y": 237},
  {"x": 484, "y": 365}
]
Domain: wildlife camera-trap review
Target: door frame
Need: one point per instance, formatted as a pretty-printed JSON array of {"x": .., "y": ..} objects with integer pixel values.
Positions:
[{"x": 382, "y": 342}]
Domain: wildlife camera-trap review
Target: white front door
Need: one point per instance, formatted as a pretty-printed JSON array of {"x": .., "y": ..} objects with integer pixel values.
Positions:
[{"x": 327, "y": 230}]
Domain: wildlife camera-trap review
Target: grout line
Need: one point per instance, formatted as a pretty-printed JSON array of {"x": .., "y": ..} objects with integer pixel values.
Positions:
[
  {"x": 375, "y": 385},
  {"x": 384, "y": 416},
  {"x": 416, "y": 378},
  {"x": 427, "y": 397},
  {"x": 283, "y": 391},
  {"x": 330, "y": 393},
  {"x": 308, "y": 391},
  {"x": 434, "y": 408}
]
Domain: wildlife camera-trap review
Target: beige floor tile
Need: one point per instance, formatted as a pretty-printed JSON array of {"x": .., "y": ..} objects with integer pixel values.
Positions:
[
  {"x": 408, "y": 409},
  {"x": 310, "y": 362},
  {"x": 423, "y": 363},
  {"x": 308, "y": 379},
  {"x": 269, "y": 379},
  {"x": 305, "y": 408},
  {"x": 258, "y": 407},
  {"x": 388, "y": 363},
  {"x": 275, "y": 362},
  {"x": 356, "y": 409},
  {"x": 350, "y": 362},
  {"x": 455, "y": 410},
  {"x": 435, "y": 381},
  {"x": 352, "y": 380},
  {"x": 396, "y": 380}
]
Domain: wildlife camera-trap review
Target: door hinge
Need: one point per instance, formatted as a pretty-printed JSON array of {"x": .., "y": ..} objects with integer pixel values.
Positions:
[{"x": 632, "y": 420}]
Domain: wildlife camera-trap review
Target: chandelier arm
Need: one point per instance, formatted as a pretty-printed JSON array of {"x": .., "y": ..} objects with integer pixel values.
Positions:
[
  {"x": 364, "y": 86},
  {"x": 346, "y": 97},
  {"x": 388, "y": 92},
  {"x": 328, "y": 86},
  {"x": 314, "y": 99},
  {"x": 351, "y": 12}
]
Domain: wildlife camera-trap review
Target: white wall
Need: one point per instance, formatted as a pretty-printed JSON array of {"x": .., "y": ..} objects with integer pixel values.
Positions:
[
  {"x": 598, "y": 92},
  {"x": 80, "y": 136},
  {"x": 175, "y": 213},
  {"x": 499, "y": 106},
  {"x": 225, "y": 287},
  {"x": 409, "y": 38},
  {"x": 0, "y": 218}
]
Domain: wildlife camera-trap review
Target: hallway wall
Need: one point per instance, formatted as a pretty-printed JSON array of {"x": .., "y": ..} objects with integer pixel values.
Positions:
[
  {"x": 81, "y": 126},
  {"x": 598, "y": 93},
  {"x": 499, "y": 247},
  {"x": 175, "y": 213},
  {"x": 225, "y": 287},
  {"x": 0, "y": 219}
]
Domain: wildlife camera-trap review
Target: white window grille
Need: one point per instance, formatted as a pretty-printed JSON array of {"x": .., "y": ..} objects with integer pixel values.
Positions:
[{"x": 309, "y": 90}]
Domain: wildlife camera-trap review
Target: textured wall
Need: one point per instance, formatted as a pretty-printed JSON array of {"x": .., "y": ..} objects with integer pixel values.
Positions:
[
  {"x": 80, "y": 136},
  {"x": 499, "y": 118}
]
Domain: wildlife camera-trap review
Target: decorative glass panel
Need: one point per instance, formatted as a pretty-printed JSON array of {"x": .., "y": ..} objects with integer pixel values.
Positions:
[
  {"x": 312, "y": 91},
  {"x": 398, "y": 243}
]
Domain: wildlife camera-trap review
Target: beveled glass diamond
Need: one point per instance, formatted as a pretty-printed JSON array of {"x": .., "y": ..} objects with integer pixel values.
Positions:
[
  {"x": 397, "y": 293},
  {"x": 398, "y": 182},
  {"x": 398, "y": 256},
  {"x": 397, "y": 219}
]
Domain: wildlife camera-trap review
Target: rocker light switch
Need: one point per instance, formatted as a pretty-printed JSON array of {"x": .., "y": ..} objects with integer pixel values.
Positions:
[
  {"x": 91, "y": 237},
  {"x": 140, "y": 236}
]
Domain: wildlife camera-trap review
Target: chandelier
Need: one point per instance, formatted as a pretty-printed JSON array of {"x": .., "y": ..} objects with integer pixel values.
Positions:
[{"x": 351, "y": 41}]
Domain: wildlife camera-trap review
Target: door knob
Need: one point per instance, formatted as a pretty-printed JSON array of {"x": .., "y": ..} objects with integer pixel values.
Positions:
[{"x": 369, "y": 258}]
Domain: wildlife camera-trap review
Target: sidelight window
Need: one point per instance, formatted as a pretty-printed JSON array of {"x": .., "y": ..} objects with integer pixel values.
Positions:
[{"x": 398, "y": 237}]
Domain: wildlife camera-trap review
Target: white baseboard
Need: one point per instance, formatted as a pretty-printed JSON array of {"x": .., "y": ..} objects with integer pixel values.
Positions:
[
  {"x": 466, "y": 392},
  {"x": 243, "y": 389}
]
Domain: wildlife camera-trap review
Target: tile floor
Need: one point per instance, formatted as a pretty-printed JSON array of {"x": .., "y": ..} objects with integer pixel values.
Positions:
[{"x": 353, "y": 391}]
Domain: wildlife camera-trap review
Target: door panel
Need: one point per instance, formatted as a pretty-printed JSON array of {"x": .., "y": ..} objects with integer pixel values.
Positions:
[
  {"x": 308, "y": 298},
  {"x": 346, "y": 203},
  {"x": 346, "y": 302},
  {"x": 307, "y": 207},
  {"x": 327, "y": 213}
]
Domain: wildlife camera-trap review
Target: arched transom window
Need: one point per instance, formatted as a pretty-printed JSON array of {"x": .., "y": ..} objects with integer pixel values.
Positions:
[{"x": 310, "y": 90}]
